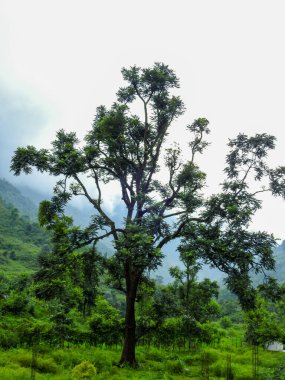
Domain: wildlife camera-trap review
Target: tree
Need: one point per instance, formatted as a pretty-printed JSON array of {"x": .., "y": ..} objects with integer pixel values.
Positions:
[
  {"x": 121, "y": 147},
  {"x": 198, "y": 304},
  {"x": 263, "y": 326}
]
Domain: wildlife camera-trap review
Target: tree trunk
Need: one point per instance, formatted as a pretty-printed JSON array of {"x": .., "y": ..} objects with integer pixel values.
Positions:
[{"x": 129, "y": 348}]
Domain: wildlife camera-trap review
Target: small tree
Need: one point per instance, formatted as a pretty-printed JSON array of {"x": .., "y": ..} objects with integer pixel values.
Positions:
[
  {"x": 197, "y": 299},
  {"x": 121, "y": 147}
]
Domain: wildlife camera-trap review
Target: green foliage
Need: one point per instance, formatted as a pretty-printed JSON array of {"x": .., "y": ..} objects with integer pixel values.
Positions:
[
  {"x": 278, "y": 373},
  {"x": 226, "y": 322},
  {"x": 174, "y": 367},
  {"x": 263, "y": 326},
  {"x": 84, "y": 370},
  {"x": 41, "y": 365},
  {"x": 32, "y": 332},
  {"x": 105, "y": 323},
  {"x": 16, "y": 303},
  {"x": 21, "y": 241},
  {"x": 8, "y": 339},
  {"x": 163, "y": 364},
  {"x": 102, "y": 361},
  {"x": 122, "y": 148}
]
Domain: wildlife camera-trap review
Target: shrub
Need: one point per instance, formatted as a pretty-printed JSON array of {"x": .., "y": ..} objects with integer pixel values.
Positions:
[
  {"x": 23, "y": 359},
  {"x": 8, "y": 339},
  {"x": 46, "y": 365},
  {"x": 226, "y": 322},
  {"x": 278, "y": 373},
  {"x": 243, "y": 372},
  {"x": 84, "y": 370},
  {"x": 42, "y": 365},
  {"x": 174, "y": 366},
  {"x": 67, "y": 358},
  {"x": 219, "y": 368},
  {"x": 211, "y": 355},
  {"x": 154, "y": 354},
  {"x": 102, "y": 361},
  {"x": 15, "y": 373}
]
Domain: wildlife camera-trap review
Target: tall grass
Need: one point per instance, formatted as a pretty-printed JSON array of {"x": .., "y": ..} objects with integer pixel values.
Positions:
[{"x": 154, "y": 363}]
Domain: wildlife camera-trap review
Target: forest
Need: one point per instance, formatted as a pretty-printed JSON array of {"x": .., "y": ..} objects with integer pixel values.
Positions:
[{"x": 74, "y": 308}]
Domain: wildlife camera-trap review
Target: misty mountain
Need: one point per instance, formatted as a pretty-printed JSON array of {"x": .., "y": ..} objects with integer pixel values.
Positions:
[
  {"x": 81, "y": 216},
  {"x": 11, "y": 195}
]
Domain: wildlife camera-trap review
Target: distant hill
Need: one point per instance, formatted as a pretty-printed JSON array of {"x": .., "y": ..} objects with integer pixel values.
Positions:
[
  {"x": 279, "y": 273},
  {"x": 21, "y": 240},
  {"x": 10, "y": 195},
  {"x": 279, "y": 253}
]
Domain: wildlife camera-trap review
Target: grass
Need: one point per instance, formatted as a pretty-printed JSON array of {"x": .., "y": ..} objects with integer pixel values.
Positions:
[{"x": 154, "y": 364}]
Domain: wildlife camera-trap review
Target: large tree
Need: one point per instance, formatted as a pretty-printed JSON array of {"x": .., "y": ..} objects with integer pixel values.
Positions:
[{"x": 128, "y": 149}]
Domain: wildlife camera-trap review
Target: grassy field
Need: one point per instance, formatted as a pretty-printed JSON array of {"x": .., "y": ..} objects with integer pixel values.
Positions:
[{"x": 154, "y": 364}]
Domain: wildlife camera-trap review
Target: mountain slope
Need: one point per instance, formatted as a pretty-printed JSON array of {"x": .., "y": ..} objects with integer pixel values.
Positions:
[
  {"x": 20, "y": 241},
  {"x": 13, "y": 196}
]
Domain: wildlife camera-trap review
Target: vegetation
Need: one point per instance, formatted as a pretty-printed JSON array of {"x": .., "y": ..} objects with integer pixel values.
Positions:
[
  {"x": 155, "y": 364},
  {"x": 73, "y": 309},
  {"x": 21, "y": 241},
  {"x": 13, "y": 196}
]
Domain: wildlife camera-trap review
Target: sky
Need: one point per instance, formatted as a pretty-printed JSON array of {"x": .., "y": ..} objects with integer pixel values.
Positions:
[{"x": 59, "y": 60}]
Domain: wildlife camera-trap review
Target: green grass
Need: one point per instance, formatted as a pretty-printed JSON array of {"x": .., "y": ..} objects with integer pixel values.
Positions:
[{"x": 154, "y": 364}]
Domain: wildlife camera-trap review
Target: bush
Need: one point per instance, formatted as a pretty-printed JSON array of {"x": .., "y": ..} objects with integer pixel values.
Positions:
[
  {"x": 15, "y": 304},
  {"x": 174, "y": 366},
  {"x": 68, "y": 358},
  {"x": 8, "y": 339},
  {"x": 211, "y": 355},
  {"x": 84, "y": 370},
  {"x": 243, "y": 372},
  {"x": 154, "y": 354},
  {"x": 219, "y": 368},
  {"x": 278, "y": 373},
  {"x": 226, "y": 322},
  {"x": 42, "y": 365},
  {"x": 23, "y": 359},
  {"x": 46, "y": 365},
  {"x": 102, "y": 361},
  {"x": 15, "y": 373}
]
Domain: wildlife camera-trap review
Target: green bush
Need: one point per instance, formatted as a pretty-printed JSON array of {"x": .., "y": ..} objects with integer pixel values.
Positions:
[
  {"x": 226, "y": 322},
  {"x": 68, "y": 358},
  {"x": 174, "y": 366},
  {"x": 278, "y": 373},
  {"x": 211, "y": 355},
  {"x": 155, "y": 354},
  {"x": 240, "y": 372},
  {"x": 24, "y": 359},
  {"x": 102, "y": 361},
  {"x": 219, "y": 368},
  {"x": 84, "y": 370},
  {"x": 15, "y": 373},
  {"x": 8, "y": 339},
  {"x": 243, "y": 372},
  {"x": 46, "y": 365}
]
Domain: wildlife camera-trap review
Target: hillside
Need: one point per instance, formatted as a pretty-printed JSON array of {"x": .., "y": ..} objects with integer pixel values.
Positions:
[
  {"x": 20, "y": 241},
  {"x": 279, "y": 273},
  {"x": 11, "y": 195}
]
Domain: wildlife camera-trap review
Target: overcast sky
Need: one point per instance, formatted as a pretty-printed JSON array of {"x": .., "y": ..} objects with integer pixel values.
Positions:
[{"x": 59, "y": 60}]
